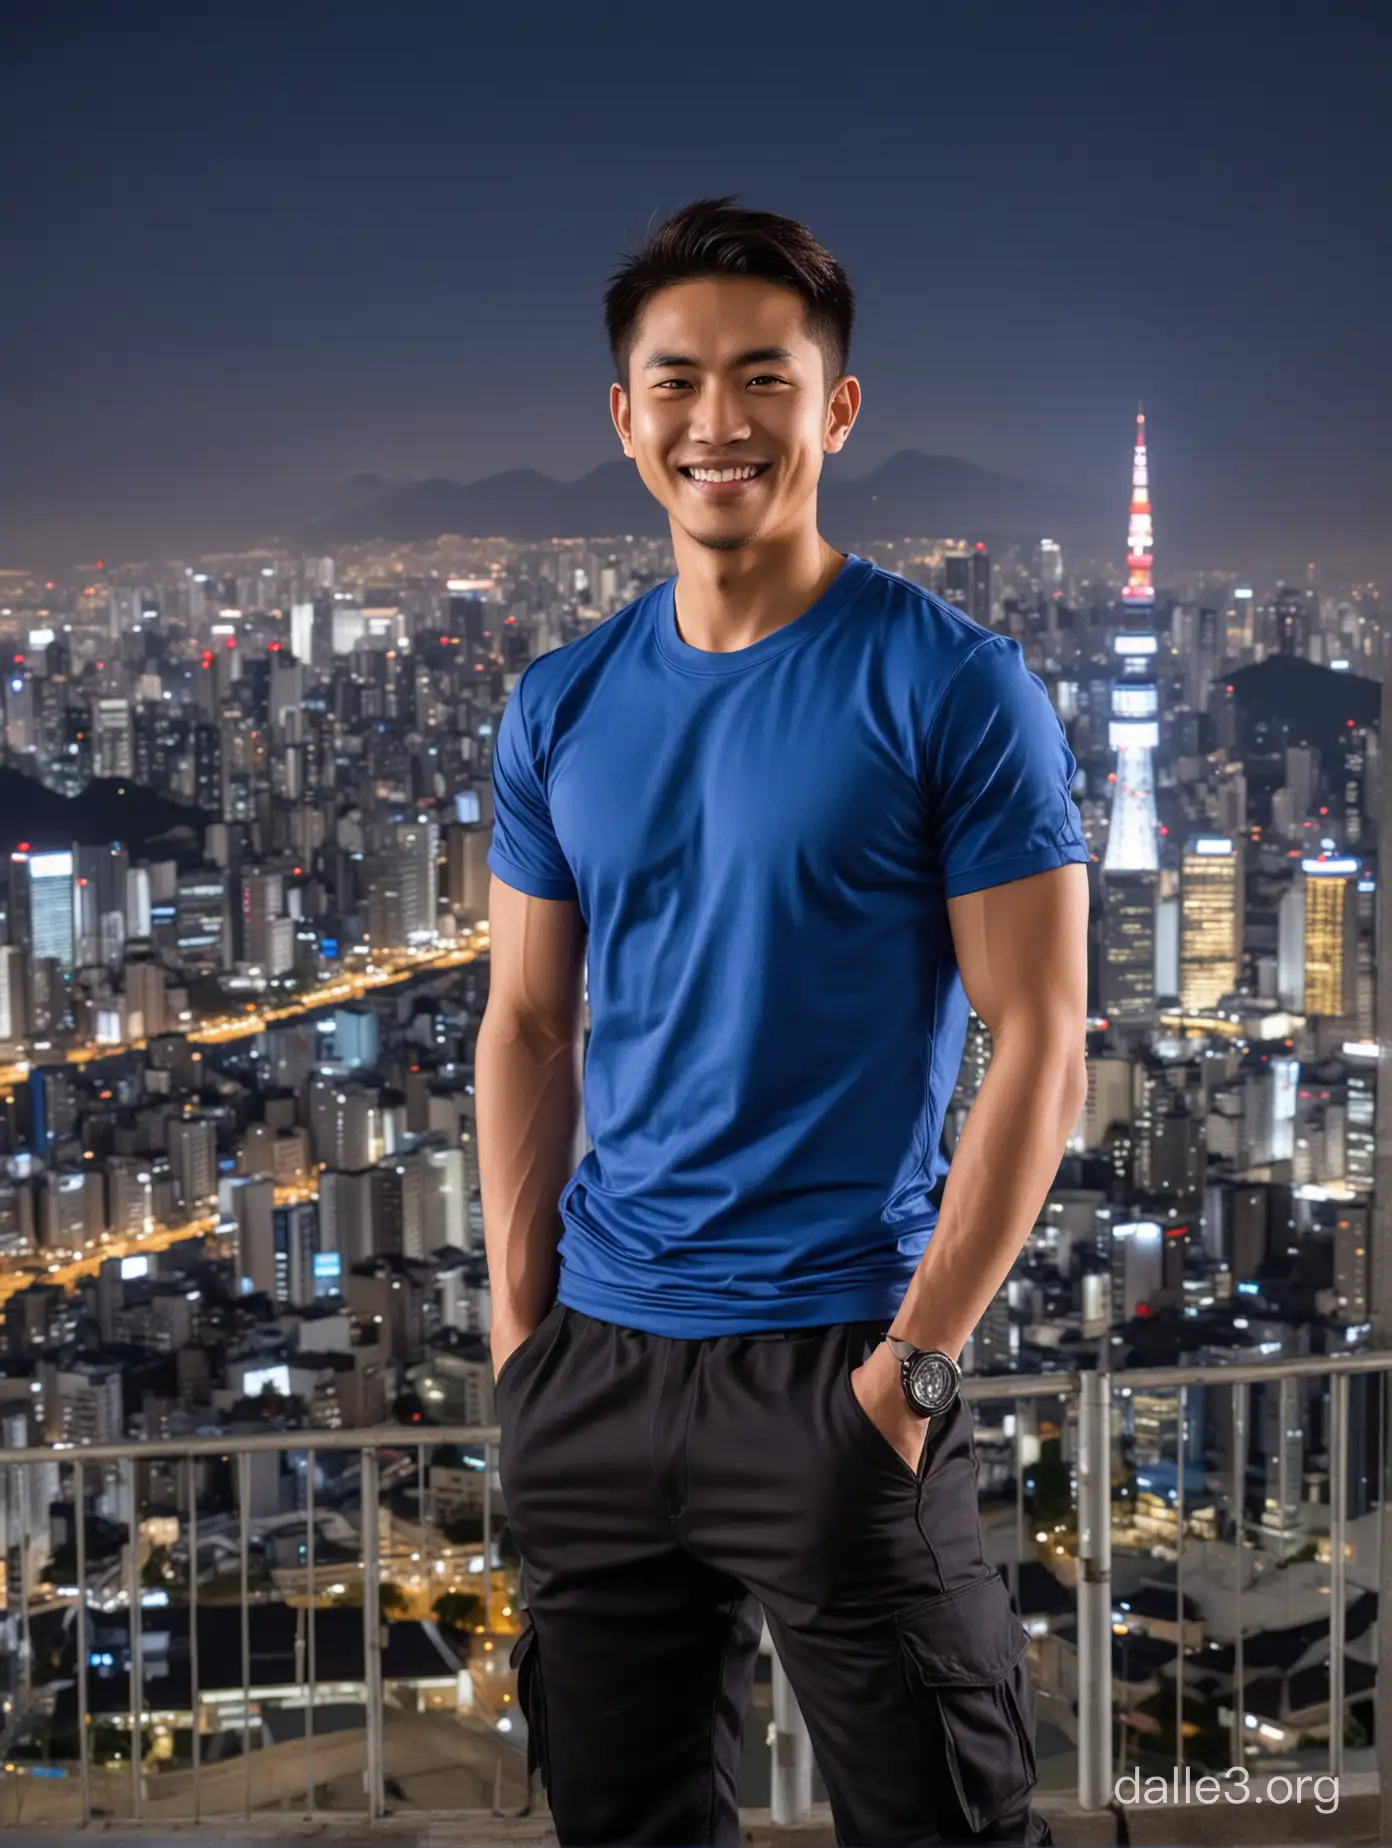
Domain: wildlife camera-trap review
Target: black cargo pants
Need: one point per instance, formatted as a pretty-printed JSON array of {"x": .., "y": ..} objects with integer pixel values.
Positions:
[{"x": 660, "y": 1491}]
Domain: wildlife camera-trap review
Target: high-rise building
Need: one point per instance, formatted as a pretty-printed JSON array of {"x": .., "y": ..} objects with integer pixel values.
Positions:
[
  {"x": 346, "y": 1124},
  {"x": 345, "y": 1215},
  {"x": 466, "y": 620},
  {"x": 402, "y": 906},
  {"x": 1050, "y": 569},
  {"x": 295, "y": 1236},
  {"x": 357, "y": 1036},
  {"x": 446, "y": 1200},
  {"x": 1137, "y": 1266},
  {"x": 302, "y": 631},
  {"x": 1129, "y": 947},
  {"x": 1290, "y": 619},
  {"x": 14, "y": 995},
  {"x": 1352, "y": 1235},
  {"x": 113, "y": 744},
  {"x": 979, "y": 585},
  {"x": 89, "y": 1406},
  {"x": 201, "y": 922},
  {"x": 193, "y": 1157},
  {"x": 146, "y": 1002},
  {"x": 967, "y": 582},
  {"x": 1211, "y": 921},
  {"x": 49, "y": 1108},
  {"x": 1331, "y": 936},
  {"x": 263, "y": 901},
  {"x": 466, "y": 872},
  {"x": 41, "y": 905}
]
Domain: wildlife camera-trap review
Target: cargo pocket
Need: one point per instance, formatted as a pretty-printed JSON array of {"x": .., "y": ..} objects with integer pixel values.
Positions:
[
  {"x": 532, "y": 1700},
  {"x": 964, "y": 1658}
]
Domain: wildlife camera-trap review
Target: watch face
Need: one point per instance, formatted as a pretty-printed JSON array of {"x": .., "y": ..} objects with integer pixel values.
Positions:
[{"x": 932, "y": 1383}]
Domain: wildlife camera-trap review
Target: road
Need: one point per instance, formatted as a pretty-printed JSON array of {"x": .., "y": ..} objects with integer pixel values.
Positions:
[
  {"x": 132, "y": 1245},
  {"x": 398, "y": 966}
]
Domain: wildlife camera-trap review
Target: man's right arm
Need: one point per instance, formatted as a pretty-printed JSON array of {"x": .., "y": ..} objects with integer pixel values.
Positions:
[{"x": 527, "y": 1094}]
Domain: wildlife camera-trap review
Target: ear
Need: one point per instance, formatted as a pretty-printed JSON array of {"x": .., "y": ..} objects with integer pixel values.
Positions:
[
  {"x": 843, "y": 407},
  {"x": 622, "y": 415}
]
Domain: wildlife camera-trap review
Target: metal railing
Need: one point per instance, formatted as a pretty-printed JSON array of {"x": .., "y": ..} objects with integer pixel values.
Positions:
[{"x": 228, "y": 1767}]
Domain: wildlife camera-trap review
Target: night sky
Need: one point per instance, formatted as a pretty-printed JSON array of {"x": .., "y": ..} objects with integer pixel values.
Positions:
[{"x": 249, "y": 254}]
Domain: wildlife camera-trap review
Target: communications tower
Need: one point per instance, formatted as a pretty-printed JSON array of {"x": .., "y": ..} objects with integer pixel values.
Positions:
[{"x": 1134, "y": 730}]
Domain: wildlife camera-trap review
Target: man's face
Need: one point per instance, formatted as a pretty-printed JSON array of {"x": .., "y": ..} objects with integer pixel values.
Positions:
[{"x": 727, "y": 412}]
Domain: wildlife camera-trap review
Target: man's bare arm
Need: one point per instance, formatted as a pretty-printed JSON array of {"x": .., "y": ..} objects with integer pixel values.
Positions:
[
  {"x": 527, "y": 1087},
  {"x": 1022, "y": 953}
]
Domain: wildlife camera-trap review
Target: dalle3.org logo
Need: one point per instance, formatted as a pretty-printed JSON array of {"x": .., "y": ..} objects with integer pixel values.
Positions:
[{"x": 1235, "y": 1785}]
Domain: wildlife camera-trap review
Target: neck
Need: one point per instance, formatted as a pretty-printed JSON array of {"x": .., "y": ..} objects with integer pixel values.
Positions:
[{"x": 730, "y": 600}]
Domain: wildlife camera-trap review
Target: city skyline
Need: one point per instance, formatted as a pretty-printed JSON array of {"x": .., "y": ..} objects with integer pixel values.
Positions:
[
  {"x": 244, "y": 957},
  {"x": 379, "y": 252}
]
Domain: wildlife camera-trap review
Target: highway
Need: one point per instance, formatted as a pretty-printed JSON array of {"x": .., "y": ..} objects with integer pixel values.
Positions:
[
  {"x": 131, "y": 1245},
  {"x": 395, "y": 966}
]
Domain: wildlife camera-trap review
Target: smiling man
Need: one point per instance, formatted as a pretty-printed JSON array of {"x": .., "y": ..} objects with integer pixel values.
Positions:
[{"x": 794, "y": 816}]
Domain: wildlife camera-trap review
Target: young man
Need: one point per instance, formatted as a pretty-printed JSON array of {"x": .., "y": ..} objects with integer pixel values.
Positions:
[{"x": 794, "y": 813}]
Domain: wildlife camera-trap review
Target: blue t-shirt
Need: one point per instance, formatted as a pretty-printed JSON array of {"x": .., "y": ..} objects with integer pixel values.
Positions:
[{"x": 762, "y": 844}]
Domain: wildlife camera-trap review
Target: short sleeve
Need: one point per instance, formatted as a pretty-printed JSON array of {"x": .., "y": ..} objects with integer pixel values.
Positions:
[
  {"x": 998, "y": 772},
  {"x": 524, "y": 853}
]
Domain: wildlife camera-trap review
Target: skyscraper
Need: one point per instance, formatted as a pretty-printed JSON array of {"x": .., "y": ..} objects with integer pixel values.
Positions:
[
  {"x": 1211, "y": 921},
  {"x": 1331, "y": 937},
  {"x": 48, "y": 882},
  {"x": 967, "y": 582}
]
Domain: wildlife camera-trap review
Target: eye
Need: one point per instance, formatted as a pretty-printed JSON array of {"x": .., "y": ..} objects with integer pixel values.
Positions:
[
  {"x": 767, "y": 378},
  {"x": 662, "y": 384}
]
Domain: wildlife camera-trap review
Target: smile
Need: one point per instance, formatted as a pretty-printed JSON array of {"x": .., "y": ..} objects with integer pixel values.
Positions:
[{"x": 748, "y": 471}]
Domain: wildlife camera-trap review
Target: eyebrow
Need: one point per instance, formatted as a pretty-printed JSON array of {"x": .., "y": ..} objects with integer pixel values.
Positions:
[{"x": 756, "y": 356}]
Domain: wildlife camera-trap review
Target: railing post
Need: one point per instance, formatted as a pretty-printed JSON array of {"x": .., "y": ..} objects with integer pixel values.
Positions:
[
  {"x": 311, "y": 1612},
  {"x": 372, "y": 1635},
  {"x": 1094, "y": 1590},
  {"x": 1240, "y": 1399},
  {"x": 84, "y": 1744},
  {"x": 195, "y": 1699},
  {"x": 1338, "y": 1515},
  {"x": 1019, "y": 1567},
  {"x": 244, "y": 1524},
  {"x": 488, "y": 1538},
  {"x": 134, "y": 1638},
  {"x": 790, "y": 1780},
  {"x": 1181, "y": 1408},
  {"x": 26, "y": 1647},
  {"x": 1382, "y": 1687}
]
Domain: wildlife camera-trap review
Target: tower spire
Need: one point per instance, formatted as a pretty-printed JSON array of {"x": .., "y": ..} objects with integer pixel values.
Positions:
[{"x": 1139, "y": 593}]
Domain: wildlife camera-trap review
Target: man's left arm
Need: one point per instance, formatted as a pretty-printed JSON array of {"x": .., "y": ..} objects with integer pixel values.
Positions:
[{"x": 1022, "y": 954}]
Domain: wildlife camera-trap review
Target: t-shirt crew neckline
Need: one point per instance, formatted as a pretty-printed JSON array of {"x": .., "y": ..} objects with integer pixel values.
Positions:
[{"x": 704, "y": 661}]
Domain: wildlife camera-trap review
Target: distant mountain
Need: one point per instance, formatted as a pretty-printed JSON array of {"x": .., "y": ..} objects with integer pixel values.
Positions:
[
  {"x": 360, "y": 491},
  {"x": 107, "y": 810},
  {"x": 937, "y": 496},
  {"x": 942, "y": 496}
]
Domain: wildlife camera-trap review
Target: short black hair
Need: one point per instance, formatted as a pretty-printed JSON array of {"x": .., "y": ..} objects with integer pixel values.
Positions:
[{"x": 716, "y": 237}]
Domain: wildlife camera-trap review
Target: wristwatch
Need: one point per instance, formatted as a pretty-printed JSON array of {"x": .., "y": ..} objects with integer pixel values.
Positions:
[{"x": 931, "y": 1379}]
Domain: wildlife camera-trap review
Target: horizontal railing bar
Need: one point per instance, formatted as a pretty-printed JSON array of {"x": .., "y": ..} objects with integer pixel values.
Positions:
[
  {"x": 976, "y": 1388},
  {"x": 257, "y": 1443},
  {"x": 1299, "y": 1367}
]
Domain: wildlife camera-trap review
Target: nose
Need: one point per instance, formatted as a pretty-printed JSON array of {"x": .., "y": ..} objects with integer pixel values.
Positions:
[{"x": 720, "y": 415}]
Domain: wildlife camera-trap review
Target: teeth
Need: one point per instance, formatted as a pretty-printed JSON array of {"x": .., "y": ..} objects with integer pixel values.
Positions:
[{"x": 722, "y": 474}]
